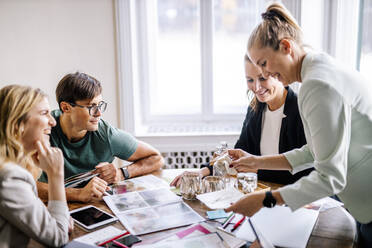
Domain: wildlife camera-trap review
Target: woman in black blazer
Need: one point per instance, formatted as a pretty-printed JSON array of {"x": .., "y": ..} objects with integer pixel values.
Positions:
[{"x": 270, "y": 96}]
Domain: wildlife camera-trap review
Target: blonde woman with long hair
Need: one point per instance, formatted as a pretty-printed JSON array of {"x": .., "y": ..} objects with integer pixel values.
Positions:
[{"x": 25, "y": 126}]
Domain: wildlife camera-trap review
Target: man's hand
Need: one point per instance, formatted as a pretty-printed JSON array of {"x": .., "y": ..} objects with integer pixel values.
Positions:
[
  {"x": 109, "y": 172},
  {"x": 248, "y": 205},
  {"x": 202, "y": 172},
  {"x": 177, "y": 180},
  {"x": 93, "y": 191}
]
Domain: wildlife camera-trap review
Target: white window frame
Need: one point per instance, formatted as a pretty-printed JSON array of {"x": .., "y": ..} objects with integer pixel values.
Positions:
[
  {"x": 130, "y": 59},
  {"x": 135, "y": 120}
]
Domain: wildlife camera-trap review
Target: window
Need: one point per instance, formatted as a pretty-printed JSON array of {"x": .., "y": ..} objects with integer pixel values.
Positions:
[
  {"x": 233, "y": 21},
  {"x": 366, "y": 37},
  {"x": 175, "y": 79},
  {"x": 182, "y": 68},
  {"x": 190, "y": 59}
]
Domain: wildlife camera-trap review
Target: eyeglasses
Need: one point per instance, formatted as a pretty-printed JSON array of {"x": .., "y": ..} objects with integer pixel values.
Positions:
[{"x": 93, "y": 109}]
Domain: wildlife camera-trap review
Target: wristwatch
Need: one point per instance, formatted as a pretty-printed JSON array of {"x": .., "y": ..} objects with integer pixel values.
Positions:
[
  {"x": 125, "y": 173},
  {"x": 269, "y": 200}
]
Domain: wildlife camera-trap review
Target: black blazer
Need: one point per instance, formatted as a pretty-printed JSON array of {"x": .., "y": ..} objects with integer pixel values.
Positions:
[{"x": 291, "y": 136}]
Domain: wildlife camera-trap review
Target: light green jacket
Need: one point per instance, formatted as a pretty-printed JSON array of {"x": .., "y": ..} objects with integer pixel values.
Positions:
[{"x": 336, "y": 109}]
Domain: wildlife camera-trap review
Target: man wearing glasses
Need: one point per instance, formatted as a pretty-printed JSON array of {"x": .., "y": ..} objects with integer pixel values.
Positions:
[{"x": 90, "y": 143}]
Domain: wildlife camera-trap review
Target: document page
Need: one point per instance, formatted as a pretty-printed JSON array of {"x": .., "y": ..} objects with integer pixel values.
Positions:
[
  {"x": 220, "y": 199},
  {"x": 151, "y": 210}
]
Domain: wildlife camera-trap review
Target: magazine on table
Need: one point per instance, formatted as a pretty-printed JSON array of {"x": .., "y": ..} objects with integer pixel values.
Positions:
[
  {"x": 80, "y": 180},
  {"x": 211, "y": 240},
  {"x": 151, "y": 210},
  {"x": 138, "y": 183},
  {"x": 197, "y": 230}
]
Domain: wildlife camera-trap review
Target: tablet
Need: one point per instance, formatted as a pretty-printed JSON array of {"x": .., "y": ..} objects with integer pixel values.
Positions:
[{"x": 90, "y": 217}]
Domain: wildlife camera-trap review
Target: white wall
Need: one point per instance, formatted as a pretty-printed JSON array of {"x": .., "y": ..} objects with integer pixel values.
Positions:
[{"x": 42, "y": 40}]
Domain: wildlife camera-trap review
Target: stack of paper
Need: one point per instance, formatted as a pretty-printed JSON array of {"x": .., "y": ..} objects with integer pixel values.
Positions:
[{"x": 281, "y": 226}]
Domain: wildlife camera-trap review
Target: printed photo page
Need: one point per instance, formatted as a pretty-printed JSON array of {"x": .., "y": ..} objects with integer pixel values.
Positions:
[{"x": 151, "y": 210}]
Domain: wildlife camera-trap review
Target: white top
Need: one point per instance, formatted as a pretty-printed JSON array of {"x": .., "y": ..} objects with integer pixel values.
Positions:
[
  {"x": 335, "y": 105},
  {"x": 270, "y": 134},
  {"x": 23, "y": 215}
]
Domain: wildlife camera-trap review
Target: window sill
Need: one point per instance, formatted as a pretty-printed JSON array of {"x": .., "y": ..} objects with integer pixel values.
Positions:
[{"x": 167, "y": 138}]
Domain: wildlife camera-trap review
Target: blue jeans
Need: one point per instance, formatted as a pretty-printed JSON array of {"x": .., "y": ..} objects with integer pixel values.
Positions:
[{"x": 365, "y": 234}]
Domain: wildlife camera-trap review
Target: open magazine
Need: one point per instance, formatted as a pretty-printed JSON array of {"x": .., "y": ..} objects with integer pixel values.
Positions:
[
  {"x": 201, "y": 232},
  {"x": 80, "y": 180},
  {"x": 151, "y": 210}
]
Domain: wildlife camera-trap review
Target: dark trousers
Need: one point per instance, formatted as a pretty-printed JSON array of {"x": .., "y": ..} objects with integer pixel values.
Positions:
[{"x": 364, "y": 234}]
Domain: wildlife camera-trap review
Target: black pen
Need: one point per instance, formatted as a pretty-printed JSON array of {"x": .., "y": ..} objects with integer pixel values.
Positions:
[
  {"x": 223, "y": 241},
  {"x": 254, "y": 230}
]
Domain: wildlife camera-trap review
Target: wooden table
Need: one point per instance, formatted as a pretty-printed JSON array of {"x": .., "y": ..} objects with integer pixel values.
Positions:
[{"x": 334, "y": 227}]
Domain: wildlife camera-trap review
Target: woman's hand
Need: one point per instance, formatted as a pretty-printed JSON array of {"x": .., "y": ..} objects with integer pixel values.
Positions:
[
  {"x": 70, "y": 225},
  {"x": 248, "y": 205},
  {"x": 49, "y": 159},
  {"x": 243, "y": 161}
]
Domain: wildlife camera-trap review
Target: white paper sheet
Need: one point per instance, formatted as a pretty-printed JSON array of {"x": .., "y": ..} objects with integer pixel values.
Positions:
[
  {"x": 100, "y": 235},
  {"x": 324, "y": 204},
  {"x": 220, "y": 199},
  {"x": 281, "y": 226},
  {"x": 205, "y": 241}
]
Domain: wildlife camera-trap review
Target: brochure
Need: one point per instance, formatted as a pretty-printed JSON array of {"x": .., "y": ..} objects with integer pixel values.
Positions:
[
  {"x": 151, "y": 210},
  {"x": 211, "y": 240},
  {"x": 196, "y": 230}
]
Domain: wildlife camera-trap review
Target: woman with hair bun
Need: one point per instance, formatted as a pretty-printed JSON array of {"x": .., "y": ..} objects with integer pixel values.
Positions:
[
  {"x": 335, "y": 105},
  {"x": 272, "y": 125}
]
